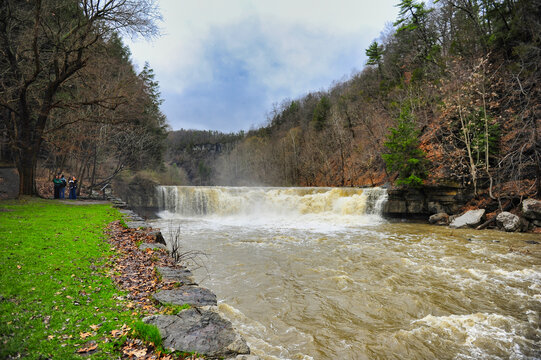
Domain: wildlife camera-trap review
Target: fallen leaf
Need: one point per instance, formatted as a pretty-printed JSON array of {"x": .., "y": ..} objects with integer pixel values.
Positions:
[
  {"x": 84, "y": 335},
  {"x": 88, "y": 348},
  {"x": 94, "y": 327}
]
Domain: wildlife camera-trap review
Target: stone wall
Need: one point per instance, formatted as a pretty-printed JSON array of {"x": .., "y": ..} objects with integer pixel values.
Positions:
[
  {"x": 9, "y": 183},
  {"x": 425, "y": 201}
]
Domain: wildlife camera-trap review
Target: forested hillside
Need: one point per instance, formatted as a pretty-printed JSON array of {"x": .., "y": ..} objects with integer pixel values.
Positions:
[{"x": 450, "y": 93}]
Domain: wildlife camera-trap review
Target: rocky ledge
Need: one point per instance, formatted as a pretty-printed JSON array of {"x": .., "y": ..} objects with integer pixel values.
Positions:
[
  {"x": 421, "y": 202},
  {"x": 199, "y": 328}
]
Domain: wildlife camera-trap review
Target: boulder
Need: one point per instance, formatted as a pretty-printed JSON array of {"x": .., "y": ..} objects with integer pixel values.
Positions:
[
  {"x": 191, "y": 295},
  {"x": 510, "y": 222},
  {"x": 439, "y": 219},
  {"x": 531, "y": 209},
  {"x": 137, "y": 224},
  {"x": 202, "y": 331},
  {"x": 470, "y": 218},
  {"x": 182, "y": 275}
]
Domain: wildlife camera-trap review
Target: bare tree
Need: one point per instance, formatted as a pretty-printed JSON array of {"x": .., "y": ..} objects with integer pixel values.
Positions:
[{"x": 43, "y": 46}]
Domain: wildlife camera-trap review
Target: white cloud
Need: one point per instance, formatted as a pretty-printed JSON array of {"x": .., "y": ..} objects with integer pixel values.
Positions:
[{"x": 286, "y": 47}]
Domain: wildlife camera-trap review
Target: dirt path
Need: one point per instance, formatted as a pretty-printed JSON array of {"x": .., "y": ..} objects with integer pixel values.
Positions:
[{"x": 83, "y": 202}]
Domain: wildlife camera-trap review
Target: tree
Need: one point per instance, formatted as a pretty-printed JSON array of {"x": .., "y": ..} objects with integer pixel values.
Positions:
[
  {"x": 44, "y": 45},
  {"x": 321, "y": 112},
  {"x": 404, "y": 155},
  {"x": 374, "y": 53}
]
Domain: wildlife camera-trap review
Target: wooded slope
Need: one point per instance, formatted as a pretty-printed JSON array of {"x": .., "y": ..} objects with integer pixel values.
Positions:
[{"x": 459, "y": 80}]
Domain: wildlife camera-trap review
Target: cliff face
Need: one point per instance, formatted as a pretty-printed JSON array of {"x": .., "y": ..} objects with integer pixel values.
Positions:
[{"x": 427, "y": 200}]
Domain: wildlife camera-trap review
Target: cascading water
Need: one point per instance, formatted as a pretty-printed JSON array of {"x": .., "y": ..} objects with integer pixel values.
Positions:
[
  {"x": 279, "y": 205},
  {"x": 316, "y": 273}
]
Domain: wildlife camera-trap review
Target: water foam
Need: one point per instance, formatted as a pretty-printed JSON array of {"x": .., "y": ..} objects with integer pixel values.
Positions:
[{"x": 480, "y": 335}]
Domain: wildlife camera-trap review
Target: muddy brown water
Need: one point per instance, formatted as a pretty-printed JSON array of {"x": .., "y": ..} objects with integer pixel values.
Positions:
[{"x": 318, "y": 274}]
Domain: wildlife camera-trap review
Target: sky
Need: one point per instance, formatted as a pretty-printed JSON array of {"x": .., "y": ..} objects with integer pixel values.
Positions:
[{"x": 223, "y": 64}]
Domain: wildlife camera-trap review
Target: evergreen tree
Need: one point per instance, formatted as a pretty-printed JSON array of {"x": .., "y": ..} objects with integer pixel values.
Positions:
[
  {"x": 321, "y": 112},
  {"x": 374, "y": 53},
  {"x": 404, "y": 155}
]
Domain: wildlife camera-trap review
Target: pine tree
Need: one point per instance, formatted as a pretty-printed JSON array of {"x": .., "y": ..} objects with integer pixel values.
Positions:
[
  {"x": 404, "y": 155},
  {"x": 321, "y": 112}
]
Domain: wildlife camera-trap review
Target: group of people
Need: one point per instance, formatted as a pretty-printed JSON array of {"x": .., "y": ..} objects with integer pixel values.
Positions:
[{"x": 60, "y": 184}]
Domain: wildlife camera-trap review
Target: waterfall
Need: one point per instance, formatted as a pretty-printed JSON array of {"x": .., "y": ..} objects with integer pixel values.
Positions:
[{"x": 270, "y": 201}]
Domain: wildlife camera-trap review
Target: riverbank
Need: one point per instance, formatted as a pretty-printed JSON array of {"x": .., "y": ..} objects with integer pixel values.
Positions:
[
  {"x": 80, "y": 279},
  {"x": 66, "y": 292}
]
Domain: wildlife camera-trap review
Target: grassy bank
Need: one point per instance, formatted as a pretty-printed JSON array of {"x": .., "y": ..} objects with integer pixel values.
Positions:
[{"x": 55, "y": 300}]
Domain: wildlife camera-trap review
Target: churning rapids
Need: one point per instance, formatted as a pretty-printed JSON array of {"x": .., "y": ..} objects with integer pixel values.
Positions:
[{"x": 317, "y": 273}]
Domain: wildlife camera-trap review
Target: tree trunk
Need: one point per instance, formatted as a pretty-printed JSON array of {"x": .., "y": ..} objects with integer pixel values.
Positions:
[{"x": 26, "y": 161}]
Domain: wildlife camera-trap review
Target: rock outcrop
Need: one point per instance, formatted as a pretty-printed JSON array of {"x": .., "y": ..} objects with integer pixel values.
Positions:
[
  {"x": 470, "y": 218},
  {"x": 425, "y": 201}
]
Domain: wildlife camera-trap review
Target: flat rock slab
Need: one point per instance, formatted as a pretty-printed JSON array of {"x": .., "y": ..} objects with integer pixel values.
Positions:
[
  {"x": 183, "y": 275},
  {"x": 136, "y": 224},
  {"x": 202, "y": 331},
  {"x": 192, "y": 295},
  {"x": 153, "y": 246},
  {"x": 471, "y": 218}
]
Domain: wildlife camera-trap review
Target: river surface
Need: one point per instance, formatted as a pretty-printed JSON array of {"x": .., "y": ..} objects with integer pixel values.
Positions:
[{"x": 317, "y": 273}]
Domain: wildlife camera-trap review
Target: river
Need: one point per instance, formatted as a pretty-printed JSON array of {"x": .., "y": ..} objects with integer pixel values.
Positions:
[{"x": 317, "y": 273}]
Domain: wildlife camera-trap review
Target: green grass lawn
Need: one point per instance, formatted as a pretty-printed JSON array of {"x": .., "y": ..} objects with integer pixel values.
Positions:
[{"x": 54, "y": 296}]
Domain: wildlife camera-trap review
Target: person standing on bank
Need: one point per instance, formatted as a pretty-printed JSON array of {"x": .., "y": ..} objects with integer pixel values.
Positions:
[
  {"x": 73, "y": 188},
  {"x": 62, "y": 189},
  {"x": 57, "y": 183}
]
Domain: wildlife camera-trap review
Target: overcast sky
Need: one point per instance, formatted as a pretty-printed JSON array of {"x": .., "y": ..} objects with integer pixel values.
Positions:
[{"x": 222, "y": 64}]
